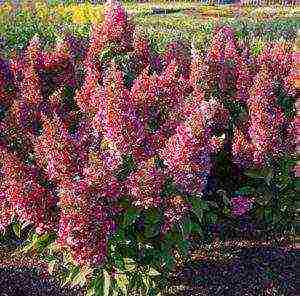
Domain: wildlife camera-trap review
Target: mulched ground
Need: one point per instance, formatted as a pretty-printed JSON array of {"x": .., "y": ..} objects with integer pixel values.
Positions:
[
  {"x": 26, "y": 282},
  {"x": 255, "y": 272},
  {"x": 236, "y": 268}
]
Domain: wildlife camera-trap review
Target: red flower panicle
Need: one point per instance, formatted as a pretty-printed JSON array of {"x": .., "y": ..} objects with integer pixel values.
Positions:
[
  {"x": 20, "y": 191},
  {"x": 53, "y": 150},
  {"x": 268, "y": 123},
  {"x": 241, "y": 205},
  {"x": 145, "y": 186},
  {"x": 84, "y": 225}
]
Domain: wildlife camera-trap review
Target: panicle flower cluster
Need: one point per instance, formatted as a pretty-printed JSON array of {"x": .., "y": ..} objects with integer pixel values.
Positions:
[
  {"x": 241, "y": 205},
  {"x": 179, "y": 52},
  {"x": 145, "y": 186},
  {"x": 231, "y": 63},
  {"x": 7, "y": 91},
  {"x": 141, "y": 54},
  {"x": 223, "y": 44},
  {"x": 189, "y": 171},
  {"x": 84, "y": 225},
  {"x": 200, "y": 77},
  {"x": 53, "y": 150},
  {"x": 22, "y": 194},
  {"x": 116, "y": 31},
  {"x": 277, "y": 58},
  {"x": 267, "y": 120},
  {"x": 90, "y": 94}
]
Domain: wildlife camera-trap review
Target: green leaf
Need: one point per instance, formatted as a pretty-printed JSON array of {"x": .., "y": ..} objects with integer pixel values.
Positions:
[
  {"x": 79, "y": 279},
  {"x": 107, "y": 283},
  {"x": 184, "y": 247},
  {"x": 153, "y": 272},
  {"x": 118, "y": 259},
  {"x": 198, "y": 207},
  {"x": 17, "y": 229},
  {"x": 212, "y": 218},
  {"x": 152, "y": 216},
  {"x": 135, "y": 281},
  {"x": 119, "y": 235},
  {"x": 245, "y": 190},
  {"x": 146, "y": 282},
  {"x": 96, "y": 287},
  {"x": 122, "y": 283},
  {"x": 44, "y": 241},
  {"x": 31, "y": 244},
  {"x": 130, "y": 216},
  {"x": 262, "y": 173},
  {"x": 268, "y": 215},
  {"x": 186, "y": 227},
  {"x": 196, "y": 228},
  {"x": 168, "y": 260},
  {"x": 151, "y": 231},
  {"x": 72, "y": 273},
  {"x": 153, "y": 292},
  {"x": 124, "y": 202},
  {"x": 130, "y": 264}
]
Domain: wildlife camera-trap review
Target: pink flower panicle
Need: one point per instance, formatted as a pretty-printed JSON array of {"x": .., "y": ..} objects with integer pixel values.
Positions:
[
  {"x": 23, "y": 195},
  {"x": 181, "y": 53},
  {"x": 241, "y": 205},
  {"x": 145, "y": 186},
  {"x": 54, "y": 151},
  {"x": 84, "y": 225},
  {"x": 188, "y": 171},
  {"x": 267, "y": 120}
]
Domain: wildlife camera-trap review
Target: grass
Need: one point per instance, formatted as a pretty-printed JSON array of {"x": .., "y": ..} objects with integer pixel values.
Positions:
[{"x": 49, "y": 22}]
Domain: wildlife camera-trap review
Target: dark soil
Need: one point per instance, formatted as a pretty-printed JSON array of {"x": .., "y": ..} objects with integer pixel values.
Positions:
[
  {"x": 254, "y": 271},
  {"x": 26, "y": 282}
]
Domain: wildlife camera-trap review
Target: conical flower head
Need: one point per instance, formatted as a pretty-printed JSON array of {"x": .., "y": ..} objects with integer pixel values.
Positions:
[
  {"x": 267, "y": 120},
  {"x": 54, "y": 150},
  {"x": 223, "y": 45},
  {"x": 187, "y": 161},
  {"x": 145, "y": 186},
  {"x": 180, "y": 52},
  {"x": 278, "y": 59},
  {"x": 116, "y": 30},
  {"x": 31, "y": 87},
  {"x": 115, "y": 16},
  {"x": 21, "y": 192},
  {"x": 116, "y": 116},
  {"x": 33, "y": 51},
  {"x": 87, "y": 96}
]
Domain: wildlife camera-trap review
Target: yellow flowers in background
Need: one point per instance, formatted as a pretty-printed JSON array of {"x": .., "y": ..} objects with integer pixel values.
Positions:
[
  {"x": 42, "y": 10},
  {"x": 82, "y": 13}
]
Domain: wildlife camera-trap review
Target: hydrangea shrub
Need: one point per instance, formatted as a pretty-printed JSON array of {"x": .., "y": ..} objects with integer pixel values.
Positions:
[{"x": 111, "y": 159}]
